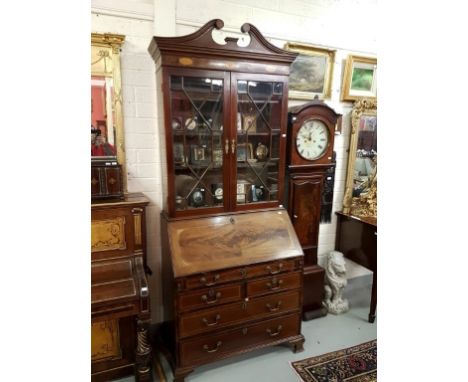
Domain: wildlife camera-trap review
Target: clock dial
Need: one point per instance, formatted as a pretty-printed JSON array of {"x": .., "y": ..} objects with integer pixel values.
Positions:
[{"x": 312, "y": 139}]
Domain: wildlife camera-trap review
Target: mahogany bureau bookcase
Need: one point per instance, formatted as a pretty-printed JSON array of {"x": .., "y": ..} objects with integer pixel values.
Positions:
[
  {"x": 120, "y": 310},
  {"x": 231, "y": 261}
]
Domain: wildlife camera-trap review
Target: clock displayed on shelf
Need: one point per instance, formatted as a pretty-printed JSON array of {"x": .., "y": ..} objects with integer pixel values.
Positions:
[{"x": 312, "y": 139}]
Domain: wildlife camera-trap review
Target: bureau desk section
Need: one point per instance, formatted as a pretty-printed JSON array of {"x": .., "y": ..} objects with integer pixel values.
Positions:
[{"x": 233, "y": 283}]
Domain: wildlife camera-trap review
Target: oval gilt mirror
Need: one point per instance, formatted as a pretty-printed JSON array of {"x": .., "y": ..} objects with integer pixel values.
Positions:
[{"x": 360, "y": 198}]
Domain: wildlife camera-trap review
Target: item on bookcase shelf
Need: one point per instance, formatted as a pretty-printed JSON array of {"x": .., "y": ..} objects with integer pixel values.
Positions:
[
  {"x": 335, "y": 282},
  {"x": 197, "y": 198},
  {"x": 239, "y": 122},
  {"x": 261, "y": 151},
  {"x": 179, "y": 157},
  {"x": 191, "y": 123},
  {"x": 242, "y": 191},
  {"x": 258, "y": 193},
  {"x": 176, "y": 125},
  {"x": 218, "y": 157},
  {"x": 217, "y": 191},
  {"x": 249, "y": 123},
  {"x": 199, "y": 155},
  {"x": 244, "y": 152},
  {"x": 179, "y": 201}
]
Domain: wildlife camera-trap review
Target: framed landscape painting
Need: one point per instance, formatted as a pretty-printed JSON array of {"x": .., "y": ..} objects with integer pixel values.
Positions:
[
  {"x": 311, "y": 72},
  {"x": 360, "y": 78}
]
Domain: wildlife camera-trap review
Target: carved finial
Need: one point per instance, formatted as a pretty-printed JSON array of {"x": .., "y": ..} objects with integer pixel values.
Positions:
[
  {"x": 219, "y": 23},
  {"x": 245, "y": 28}
]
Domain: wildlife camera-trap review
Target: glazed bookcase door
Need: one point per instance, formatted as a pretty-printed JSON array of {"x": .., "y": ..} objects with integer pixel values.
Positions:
[
  {"x": 198, "y": 112},
  {"x": 260, "y": 105}
]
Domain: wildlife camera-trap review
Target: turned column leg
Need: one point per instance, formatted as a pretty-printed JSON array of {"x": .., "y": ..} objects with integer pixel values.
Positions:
[{"x": 143, "y": 352}]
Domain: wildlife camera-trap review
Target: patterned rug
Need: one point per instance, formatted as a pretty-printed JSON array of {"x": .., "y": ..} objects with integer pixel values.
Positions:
[{"x": 354, "y": 364}]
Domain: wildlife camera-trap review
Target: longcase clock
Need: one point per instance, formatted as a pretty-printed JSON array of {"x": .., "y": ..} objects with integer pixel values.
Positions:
[{"x": 310, "y": 161}]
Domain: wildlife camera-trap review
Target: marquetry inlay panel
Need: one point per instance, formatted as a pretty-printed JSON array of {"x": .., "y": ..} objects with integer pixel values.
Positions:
[
  {"x": 105, "y": 340},
  {"x": 107, "y": 235}
]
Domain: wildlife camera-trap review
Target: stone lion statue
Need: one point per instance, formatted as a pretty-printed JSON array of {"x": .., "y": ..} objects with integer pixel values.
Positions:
[{"x": 335, "y": 282}]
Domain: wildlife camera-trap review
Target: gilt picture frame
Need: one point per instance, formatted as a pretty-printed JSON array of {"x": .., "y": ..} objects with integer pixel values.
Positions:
[
  {"x": 359, "y": 78},
  {"x": 311, "y": 72}
]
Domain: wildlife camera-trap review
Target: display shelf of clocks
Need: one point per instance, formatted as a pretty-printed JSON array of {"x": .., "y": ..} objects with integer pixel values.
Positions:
[{"x": 225, "y": 129}]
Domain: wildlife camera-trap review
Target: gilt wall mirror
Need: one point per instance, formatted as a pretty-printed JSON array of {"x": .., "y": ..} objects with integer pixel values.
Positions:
[
  {"x": 107, "y": 135},
  {"x": 360, "y": 197}
]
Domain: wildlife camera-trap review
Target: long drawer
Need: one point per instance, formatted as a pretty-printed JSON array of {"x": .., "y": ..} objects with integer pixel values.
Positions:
[
  {"x": 203, "y": 349},
  {"x": 238, "y": 312},
  {"x": 276, "y": 283},
  {"x": 205, "y": 298},
  {"x": 219, "y": 277}
]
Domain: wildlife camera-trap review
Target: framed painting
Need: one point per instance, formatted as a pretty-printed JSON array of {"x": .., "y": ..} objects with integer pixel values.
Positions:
[
  {"x": 360, "y": 78},
  {"x": 311, "y": 72}
]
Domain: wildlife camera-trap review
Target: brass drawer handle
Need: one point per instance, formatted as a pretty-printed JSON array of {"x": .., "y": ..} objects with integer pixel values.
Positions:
[
  {"x": 278, "y": 331},
  {"x": 208, "y": 350},
  {"x": 280, "y": 267},
  {"x": 226, "y": 146},
  {"x": 271, "y": 309},
  {"x": 215, "y": 322},
  {"x": 275, "y": 284},
  {"x": 205, "y": 298},
  {"x": 215, "y": 279}
]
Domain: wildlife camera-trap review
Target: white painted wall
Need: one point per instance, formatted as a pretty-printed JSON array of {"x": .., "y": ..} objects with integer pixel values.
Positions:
[{"x": 349, "y": 26}]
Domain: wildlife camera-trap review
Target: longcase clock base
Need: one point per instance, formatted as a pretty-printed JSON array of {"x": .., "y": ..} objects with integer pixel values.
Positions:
[{"x": 314, "y": 278}]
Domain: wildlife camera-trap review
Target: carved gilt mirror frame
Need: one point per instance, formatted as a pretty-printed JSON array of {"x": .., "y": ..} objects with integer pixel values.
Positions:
[
  {"x": 105, "y": 65},
  {"x": 360, "y": 198}
]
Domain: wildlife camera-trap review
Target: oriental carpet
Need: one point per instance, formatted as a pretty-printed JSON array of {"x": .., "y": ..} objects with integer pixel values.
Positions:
[{"x": 354, "y": 364}]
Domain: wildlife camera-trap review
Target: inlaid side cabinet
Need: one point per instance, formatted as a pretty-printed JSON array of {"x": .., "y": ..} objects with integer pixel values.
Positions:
[
  {"x": 120, "y": 310},
  {"x": 225, "y": 121}
]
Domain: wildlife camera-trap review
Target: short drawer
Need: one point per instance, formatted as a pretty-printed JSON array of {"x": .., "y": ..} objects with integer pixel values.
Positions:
[
  {"x": 210, "y": 279},
  {"x": 204, "y": 298},
  {"x": 203, "y": 349},
  {"x": 238, "y": 312},
  {"x": 274, "y": 284},
  {"x": 271, "y": 268}
]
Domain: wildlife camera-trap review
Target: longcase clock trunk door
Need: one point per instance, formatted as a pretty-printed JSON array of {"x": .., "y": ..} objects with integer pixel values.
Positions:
[{"x": 304, "y": 192}]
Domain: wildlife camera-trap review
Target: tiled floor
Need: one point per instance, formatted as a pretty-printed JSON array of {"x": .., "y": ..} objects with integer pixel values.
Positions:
[{"x": 322, "y": 335}]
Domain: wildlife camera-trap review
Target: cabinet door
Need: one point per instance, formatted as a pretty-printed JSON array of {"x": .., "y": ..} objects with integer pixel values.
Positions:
[
  {"x": 258, "y": 126},
  {"x": 196, "y": 150}
]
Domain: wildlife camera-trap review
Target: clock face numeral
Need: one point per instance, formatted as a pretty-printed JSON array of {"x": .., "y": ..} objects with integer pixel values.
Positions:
[{"x": 312, "y": 139}]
